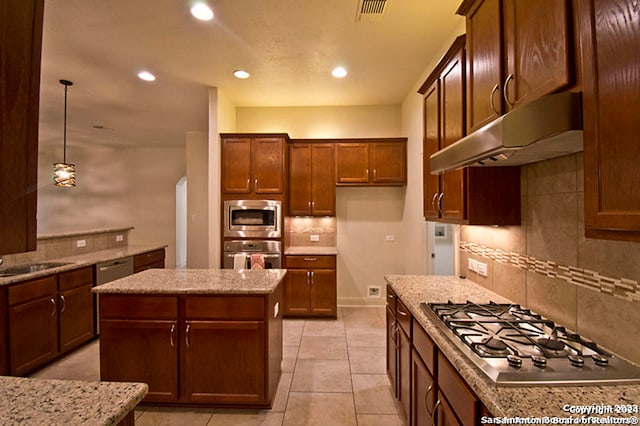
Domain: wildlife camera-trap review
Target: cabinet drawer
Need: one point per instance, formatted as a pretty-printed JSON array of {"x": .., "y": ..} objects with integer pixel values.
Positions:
[
  {"x": 311, "y": 262},
  {"x": 224, "y": 307},
  {"x": 425, "y": 347},
  {"x": 144, "y": 259},
  {"x": 391, "y": 300},
  {"x": 138, "y": 307},
  {"x": 76, "y": 278},
  {"x": 460, "y": 397},
  {"x": 24, "y": 292},
  {"x": 404, "y": 317}
]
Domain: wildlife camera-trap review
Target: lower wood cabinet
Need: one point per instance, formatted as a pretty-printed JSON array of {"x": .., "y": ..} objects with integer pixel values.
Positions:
[
  {"x": 210, "y": 350},
  {"x": 310, "y": 286},
  {"x": 48, "y": 317},
  {"x": 428, "y": 388}
]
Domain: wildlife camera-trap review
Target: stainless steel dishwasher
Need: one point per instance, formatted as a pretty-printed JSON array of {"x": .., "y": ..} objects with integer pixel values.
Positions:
[{"x": 110, "y": 271}]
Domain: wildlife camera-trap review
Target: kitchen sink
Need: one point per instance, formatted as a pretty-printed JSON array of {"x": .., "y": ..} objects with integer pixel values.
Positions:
[{"x": 29, "y": 268}]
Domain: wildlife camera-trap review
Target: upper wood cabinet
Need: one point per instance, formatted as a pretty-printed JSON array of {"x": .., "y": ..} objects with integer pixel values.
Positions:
[
  {"x": 472, "y": 196},
  {"x": 518, "y": 50},
  {"x": 611, "y": 79},
  {"x": 371, "y": 162},
  {"x": 253, "y": 164},
  {"x": 20, "y": 46},
  {"x": 312, "y": 179}
]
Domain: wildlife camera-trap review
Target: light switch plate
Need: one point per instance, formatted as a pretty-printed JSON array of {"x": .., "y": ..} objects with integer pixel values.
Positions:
[
  {"x": 482, "y": 269},
  {"x": 119, "y": 238},
  {"x": 473, "y": 265},
  {"x": 81, "y": 243},
  {"x": 314, "y": 238}
]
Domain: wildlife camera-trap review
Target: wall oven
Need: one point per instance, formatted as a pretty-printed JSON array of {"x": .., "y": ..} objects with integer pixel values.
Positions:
[{"x": 252, "y": 219}]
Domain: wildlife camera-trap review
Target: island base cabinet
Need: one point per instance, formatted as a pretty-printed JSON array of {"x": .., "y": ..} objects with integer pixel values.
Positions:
[
  {"x": 141, "y": 351},
  {"x": 231, "y": 352}
]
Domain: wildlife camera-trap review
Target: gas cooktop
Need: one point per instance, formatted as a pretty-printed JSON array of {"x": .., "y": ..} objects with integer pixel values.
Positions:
[{"x": 515, "y": 346}]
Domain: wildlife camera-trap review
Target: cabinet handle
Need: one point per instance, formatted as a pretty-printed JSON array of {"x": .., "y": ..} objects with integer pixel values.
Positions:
[
  {"x": 367, "y": 174},
  {"x": 434, "y": 418},
  {"x": 375, "y": 174},
  {"x": 313, "y": 206},
  {"x": 249, "y": 184},
  {"x": 505, "y": 93},
  {"x": 401, "y": 313},
  {"x": 255, "y": 184},
  {"x": 426, "y": 401},
  {"x": 309, "y": 203},
  {"x": 440, "y": 204},
  {"x": 308, "y": 277},
  {"x": 396, "y": 341},
  {"x": 171, "y": 333},
  {"x": 311, "y": 275},
  {"x": 53, "y": 304},
  {"x": 64, "y": 303},
  {"x": 493, "y": 106},
  {"x": 390, "y": 296},
  {"x": 310, "y": 259},
  {"x": 186, "y": 335},
  {"x": 433, "y": 202}
]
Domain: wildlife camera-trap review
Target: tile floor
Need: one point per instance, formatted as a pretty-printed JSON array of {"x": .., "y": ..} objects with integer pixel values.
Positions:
[{"x": 333, "y": 373}]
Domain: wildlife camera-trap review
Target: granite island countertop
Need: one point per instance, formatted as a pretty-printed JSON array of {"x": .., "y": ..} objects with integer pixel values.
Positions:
[
  {"x": 197, "y": 281},
  {"x": 66, "y": 402},
  {"x": 82, "y": 260},
  {"x": 502, "y": 401}
]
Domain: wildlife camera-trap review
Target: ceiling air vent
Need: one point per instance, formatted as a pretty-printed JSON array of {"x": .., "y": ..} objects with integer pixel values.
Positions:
[{"x": 370, "y": 10}]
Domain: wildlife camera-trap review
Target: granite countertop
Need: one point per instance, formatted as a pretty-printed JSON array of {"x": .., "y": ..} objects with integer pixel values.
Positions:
[
  {"x": 71, "y": 402},
  {"x": 502, "y": 401},
  {"x": 311, "y": 250},
  {"x": 197, "y": 281},
  {"x": 81, "y": 260}
]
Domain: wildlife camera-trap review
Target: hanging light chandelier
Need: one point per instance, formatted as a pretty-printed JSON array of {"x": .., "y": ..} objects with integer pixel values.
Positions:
[{"x": 64, "y": 174}]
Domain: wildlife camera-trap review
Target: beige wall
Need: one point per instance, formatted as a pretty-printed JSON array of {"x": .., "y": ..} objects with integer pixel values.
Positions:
[
  {"x": 548, "y": 265},
  {"x": 116, "y": 187},
  {"x": 197, "y": 163}
]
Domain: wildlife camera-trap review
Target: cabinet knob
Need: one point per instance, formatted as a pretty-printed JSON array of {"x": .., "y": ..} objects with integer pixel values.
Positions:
[{"x": 505, "y": 89}]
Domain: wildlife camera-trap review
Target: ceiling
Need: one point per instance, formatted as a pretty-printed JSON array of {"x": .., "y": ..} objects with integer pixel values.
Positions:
[{"x": 288, "y": 46}]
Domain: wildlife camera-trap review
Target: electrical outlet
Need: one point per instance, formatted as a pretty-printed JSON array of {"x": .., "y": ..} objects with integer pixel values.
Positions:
[
  {"x": 473, "y": 265},
  {"x": 482, "y": 269},
  {"x": 390, "y": 237},
  {"x": 119, "y": 238},
  {"x": 314, "y": 238},
  {"x": 81, "y": 243},
  {"x": 373, "y": 291}
]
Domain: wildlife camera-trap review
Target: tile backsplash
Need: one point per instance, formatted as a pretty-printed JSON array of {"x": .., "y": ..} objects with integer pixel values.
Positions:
[
  {"x": 591, "y": 286},
  {"x": 298, "y": 231}
]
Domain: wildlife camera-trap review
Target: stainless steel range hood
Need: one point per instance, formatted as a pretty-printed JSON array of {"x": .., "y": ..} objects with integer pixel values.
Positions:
[{"x": 545, "y": 128}]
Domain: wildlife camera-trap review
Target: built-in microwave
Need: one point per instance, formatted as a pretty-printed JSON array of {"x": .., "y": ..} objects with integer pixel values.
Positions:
[{"x": 252, "y": 218}]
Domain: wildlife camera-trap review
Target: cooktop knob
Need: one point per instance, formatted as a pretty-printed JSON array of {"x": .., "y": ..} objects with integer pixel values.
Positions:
[
  {"x": 600, "y": 360},
  {"x": 539, "y": 361},
  {"x": 576, "y": 360},
  {"x": 514, "y": 361}
]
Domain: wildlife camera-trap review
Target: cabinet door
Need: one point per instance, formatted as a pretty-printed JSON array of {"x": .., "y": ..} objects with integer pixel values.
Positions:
[
  {"x": 611, "y": 96},
  {"x": 149, "y": 260},
  {"x": 236, "y": 165},
  {"x": 300, "y": 179},
  {"x": 451, "y": 202},
  {"x": 537, "y": 43},
  {"x": 352, "y": 163},
  {"x": 431, "y": 144},
  {"x": 388, "y": 163},
  {"x": 423, "y": 393},
  {"x": 404, "y": 373},
  {"x": 20, "y": 43},
  {"x": 76, "y": 317},
  {"x": 484, "y": 49},
  {"x": 445, "y": 415},
  {"x": 323, "y": 292},
  {"x": 392, "y": 351},
  {"x": 323, "y": 180},
  {"x": 267, "y": 162},
  {"x": 297, "y": 292},
  {"x": 224, "y": 362},
  {"x": 141, "y": 351}
]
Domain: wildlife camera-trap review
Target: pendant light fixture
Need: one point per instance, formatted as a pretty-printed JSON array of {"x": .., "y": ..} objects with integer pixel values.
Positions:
[{"x": 64, "y": 174}]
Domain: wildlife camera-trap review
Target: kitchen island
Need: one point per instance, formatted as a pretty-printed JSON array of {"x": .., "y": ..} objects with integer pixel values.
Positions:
[
  {"x": 512, "y": 402},
  {"x": 195, "y": 336},
  {"x": 57, "y": 402}
]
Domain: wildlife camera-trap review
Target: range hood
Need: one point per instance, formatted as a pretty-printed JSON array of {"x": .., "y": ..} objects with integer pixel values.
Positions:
[{"x": 545, "y": 128}]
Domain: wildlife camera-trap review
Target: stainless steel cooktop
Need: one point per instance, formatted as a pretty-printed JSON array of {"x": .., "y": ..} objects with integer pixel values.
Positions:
[{"x": 515, "y": 346}]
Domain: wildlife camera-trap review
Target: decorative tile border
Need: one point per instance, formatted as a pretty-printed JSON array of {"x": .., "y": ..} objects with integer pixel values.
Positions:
[{"x": 619, "y": 287}]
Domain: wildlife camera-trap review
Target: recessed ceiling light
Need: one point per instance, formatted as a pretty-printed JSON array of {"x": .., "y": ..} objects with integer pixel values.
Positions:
[
  {"x": 202, "y": 11},
  {"x": 146, "y": 76},
  {"x": 339, "y": 72},
  {"x": 242, "y": 74}
]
